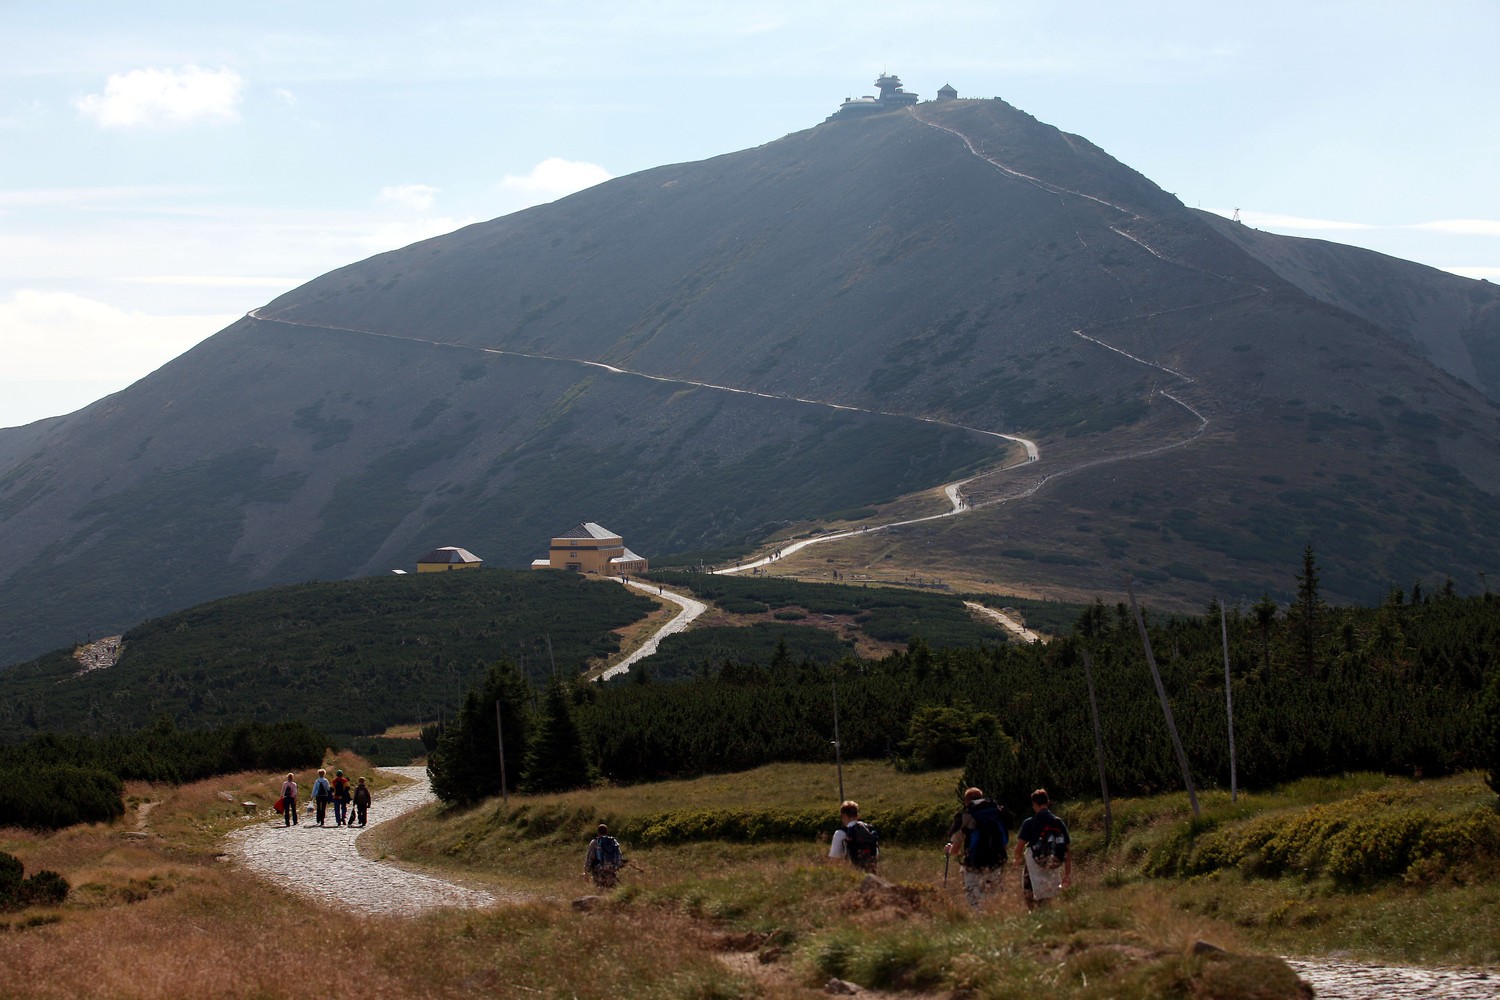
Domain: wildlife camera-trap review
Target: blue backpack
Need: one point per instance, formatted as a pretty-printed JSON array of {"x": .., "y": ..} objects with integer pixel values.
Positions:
[
  {"x": 607, "y": 852},
  {"x": 986, "y": 842}
]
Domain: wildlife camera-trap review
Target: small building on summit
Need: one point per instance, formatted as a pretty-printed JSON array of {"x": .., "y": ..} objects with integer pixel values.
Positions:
[
  {"x": 448, "y": 557},
  {"x": 947, "y": 93},
  {"x": 591, "y": 548}
]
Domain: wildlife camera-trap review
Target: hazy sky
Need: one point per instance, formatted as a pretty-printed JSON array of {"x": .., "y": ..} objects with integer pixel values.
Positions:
[{"x": 165, "y": 167}]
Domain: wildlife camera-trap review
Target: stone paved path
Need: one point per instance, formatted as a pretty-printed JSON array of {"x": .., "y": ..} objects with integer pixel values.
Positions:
[
  {"x": 1335, "y": 980},
  {"x": 321, "y": 862}
]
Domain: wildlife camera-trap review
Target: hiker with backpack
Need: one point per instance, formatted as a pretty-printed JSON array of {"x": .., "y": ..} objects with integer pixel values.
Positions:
[
  {"x": 603, "y": 860},
  {"x": 361, "y": 803},
  {"x": 979, "y": 837},
  {"x": 289, "y": 801},
  {"x": 855, "y": 839},
  {"x": 341, "y": 794},
  {"x": 1042, "y": 844},
  {"x": 322, "y": 793}
]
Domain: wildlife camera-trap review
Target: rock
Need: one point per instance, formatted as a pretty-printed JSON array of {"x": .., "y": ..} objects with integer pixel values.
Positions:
[
  {"x": 840, "y": 987},
  {"x": 1204, "y": 948},
  {"x": 874, "y": 883},
  {"x": 227, "y": 796},
  {"x": 587, "y": 903}
]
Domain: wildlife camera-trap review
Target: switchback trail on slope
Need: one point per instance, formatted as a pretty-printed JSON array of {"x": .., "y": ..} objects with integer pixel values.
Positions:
[{"x": 324, "y": 864}]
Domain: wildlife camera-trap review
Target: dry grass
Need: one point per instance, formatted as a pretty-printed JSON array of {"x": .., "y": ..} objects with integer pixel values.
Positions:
[{"x": 162, "y": 915}]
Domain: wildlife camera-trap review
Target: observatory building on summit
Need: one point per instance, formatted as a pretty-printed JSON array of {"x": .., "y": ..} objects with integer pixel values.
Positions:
[{"x": 892, "y": 98}]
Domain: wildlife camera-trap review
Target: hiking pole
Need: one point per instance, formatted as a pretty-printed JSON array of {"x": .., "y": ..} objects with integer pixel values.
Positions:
[{"x": 946, "y": 858}]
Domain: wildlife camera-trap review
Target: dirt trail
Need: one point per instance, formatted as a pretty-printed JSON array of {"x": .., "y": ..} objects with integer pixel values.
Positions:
[
  {"x": 322, "y": 862},
  {"x": 1337, "y": 980}
]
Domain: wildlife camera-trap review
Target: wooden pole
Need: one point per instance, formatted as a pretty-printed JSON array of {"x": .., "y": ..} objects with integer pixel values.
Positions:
[
  {"x": 1088, "y": 676},
  {"x": 838, "y": 747},
  {"x": 1234, "y": 792},
  {"x": 500, "y": 738},
  {"x": 1166, "y": 708}
]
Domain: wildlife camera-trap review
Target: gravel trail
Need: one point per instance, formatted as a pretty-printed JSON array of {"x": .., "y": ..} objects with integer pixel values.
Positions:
[
  {"x": 1335, "y": 980},
  {"x": 322, "y": 863}
]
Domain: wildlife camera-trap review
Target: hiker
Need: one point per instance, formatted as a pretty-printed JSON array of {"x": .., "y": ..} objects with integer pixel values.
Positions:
[
  {"x": 340, "y": 797},
  {"x": 855, "y": 839},
  {"x": 289, "y": 801},
  {"x": 979, "y": 837},
  {"x": 603, "y": 860},
  {"x": 361, "y": 802},
  {"x": 1042, "y": 844},
  {"x": 322, "y": 792}
]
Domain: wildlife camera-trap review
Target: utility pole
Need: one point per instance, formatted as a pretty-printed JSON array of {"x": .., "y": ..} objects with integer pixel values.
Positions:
[
  {"x": 1088, "y": 676},
  {"x": 1166, "y": 707},
  {"x": 500, "y": 738},
  {"x": 838, "y": 748},
  {"x": 1234, "y": 793}
]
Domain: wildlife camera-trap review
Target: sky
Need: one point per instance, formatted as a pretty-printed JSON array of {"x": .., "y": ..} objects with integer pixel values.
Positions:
[{"x": 166, "y": 167}]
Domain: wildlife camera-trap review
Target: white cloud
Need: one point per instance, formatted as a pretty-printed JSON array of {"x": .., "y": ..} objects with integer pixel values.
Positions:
[
  {"x": 1271, "y": 220},
  {"x": 58, "y": 335},
  {"x": 286, "y": 96},
  {"x": 415, "y": 196},
  {"x": 1462, "y": 227},
  {"x": 212, "y": 281},
  {"x": 1484, "y": 272},
  {"x": 553, "y": 178},
  {"x": 165, "y": 96}
]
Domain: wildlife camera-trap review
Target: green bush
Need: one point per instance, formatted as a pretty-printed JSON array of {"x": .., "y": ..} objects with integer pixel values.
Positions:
[
  {"x": 1368, "y": 837},
  {"x": 51, "y": 798},
  {"x": 45, "y": 888}
]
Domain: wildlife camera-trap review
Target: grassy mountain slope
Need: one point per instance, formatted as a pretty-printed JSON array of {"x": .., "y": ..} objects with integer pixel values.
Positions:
[{"x": 963, "y": 263}]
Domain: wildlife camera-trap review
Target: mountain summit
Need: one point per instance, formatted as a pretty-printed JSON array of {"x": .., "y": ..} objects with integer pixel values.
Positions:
[{"x": 704, "y": 353}]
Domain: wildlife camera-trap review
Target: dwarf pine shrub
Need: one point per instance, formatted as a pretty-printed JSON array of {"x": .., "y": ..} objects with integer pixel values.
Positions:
[{"x": 45, "y": 888}]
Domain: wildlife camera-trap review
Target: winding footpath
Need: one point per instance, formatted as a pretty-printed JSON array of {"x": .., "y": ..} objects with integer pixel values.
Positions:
[
  {"x": 324, "y": 864},
  {"x": 691, "y": 609}
]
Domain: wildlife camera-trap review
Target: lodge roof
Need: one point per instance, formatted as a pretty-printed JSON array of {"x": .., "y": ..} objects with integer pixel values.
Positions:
[
  {"x": 588, "y": 529},
  {"x": 449, "y": 555}
]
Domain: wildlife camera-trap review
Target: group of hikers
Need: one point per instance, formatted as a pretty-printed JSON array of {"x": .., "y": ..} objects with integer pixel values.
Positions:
[
  {"x": 978, "y": 837},
  {"x": 338, "y": 791}
]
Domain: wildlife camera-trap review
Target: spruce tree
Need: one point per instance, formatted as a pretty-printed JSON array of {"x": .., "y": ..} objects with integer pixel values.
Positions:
[
  {"x": 991, "y": 765},
  {"x": 556, "y": 760},
  {"x": 1308, "y": 612},
  {"x": 1489, "y": 729},
  {"x": 465, "y": 766}
]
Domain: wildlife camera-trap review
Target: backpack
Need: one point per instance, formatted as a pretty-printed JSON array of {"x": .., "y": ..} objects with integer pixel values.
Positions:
[
  {"x": 1050, "y": 848},
  {"x": 862, "y": 844},
  {"x": 607, "y": 852},
  {"x": 984, "y": 847}
]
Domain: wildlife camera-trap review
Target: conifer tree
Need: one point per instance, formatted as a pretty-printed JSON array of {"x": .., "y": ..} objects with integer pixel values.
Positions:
[
  {"x": 992, "y": 766},
  {"x": 1489, "y": 728},
  {"x": 556, "y": 760},
  {"x": 1309, "y": 612},
  {"x": 465, "y": 767}
]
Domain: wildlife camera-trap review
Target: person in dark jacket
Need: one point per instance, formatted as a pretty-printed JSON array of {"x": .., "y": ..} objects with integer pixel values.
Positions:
[
  {"x": 340, "y": 797},
  {"x": 978, "y": 837},
  {"x": 361, "y": 802},
  {"x": 289, "y": 801}
]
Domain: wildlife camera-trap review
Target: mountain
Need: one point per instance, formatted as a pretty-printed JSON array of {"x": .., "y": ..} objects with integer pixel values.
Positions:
[{"x": 702, "y": 354}]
